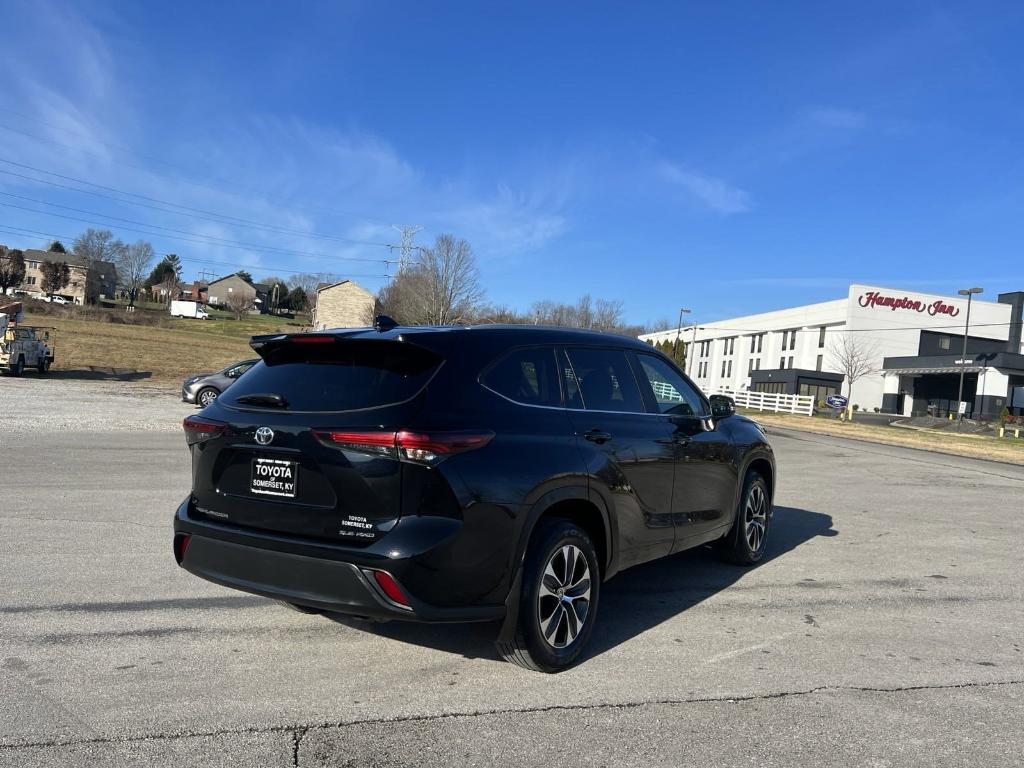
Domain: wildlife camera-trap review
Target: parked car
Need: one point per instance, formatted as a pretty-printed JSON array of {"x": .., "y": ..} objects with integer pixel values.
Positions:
[
  {"x": 203, "y": 388},
  {"x": 57, "y": 300},
  {"x": 466, "y": 474}
]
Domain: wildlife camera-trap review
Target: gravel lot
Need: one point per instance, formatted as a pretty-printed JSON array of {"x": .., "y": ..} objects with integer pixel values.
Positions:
[
  {"x": 886, "y": 627},
  {"x": 50, "y": 403}
]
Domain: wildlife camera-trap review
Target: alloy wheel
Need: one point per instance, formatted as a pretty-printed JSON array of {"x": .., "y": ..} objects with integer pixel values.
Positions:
[
  {"x": 563, "y": 600},
  {"x": 207, "y": 397},
  {"x": 756, "y": 516}
]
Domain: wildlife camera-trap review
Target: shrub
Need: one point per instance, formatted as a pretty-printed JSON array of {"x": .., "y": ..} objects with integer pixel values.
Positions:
[
  {"x": 856, "y": 407},
  {"x": 877, "y": 409},
  {"x": 1005, "y": 417}
]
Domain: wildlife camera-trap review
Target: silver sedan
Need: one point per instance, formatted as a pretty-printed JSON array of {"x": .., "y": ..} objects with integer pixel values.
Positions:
[{"x": 203, "y": 388}]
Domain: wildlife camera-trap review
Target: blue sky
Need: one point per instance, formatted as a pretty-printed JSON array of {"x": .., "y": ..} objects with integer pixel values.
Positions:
[{"x": 727, "y": 157}]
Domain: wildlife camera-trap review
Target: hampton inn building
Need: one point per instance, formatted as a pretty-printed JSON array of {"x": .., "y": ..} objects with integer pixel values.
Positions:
[{"x": 914, "y": 342}]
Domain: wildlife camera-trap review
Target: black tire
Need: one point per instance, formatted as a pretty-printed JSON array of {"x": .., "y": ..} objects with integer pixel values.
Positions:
[
  {"x": 206, "y": 396},
  {"x": 299, "y": 608},
  {"x": 44, "y": 365},
  {"x": 746, "y": 542},
  {"x": 530, "y": 648},
  {"x": 19, "y": 367}
]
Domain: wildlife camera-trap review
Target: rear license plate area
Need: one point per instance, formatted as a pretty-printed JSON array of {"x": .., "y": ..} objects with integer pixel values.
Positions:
[{"x": 274, "y": 477}]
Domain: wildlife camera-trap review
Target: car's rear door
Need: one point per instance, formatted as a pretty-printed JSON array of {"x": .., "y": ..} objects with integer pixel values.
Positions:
[{"x": 629, "y": 454}]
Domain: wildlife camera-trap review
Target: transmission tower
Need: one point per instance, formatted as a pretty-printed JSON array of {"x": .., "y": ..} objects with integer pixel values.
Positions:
[{"x": 405, "y": 250}]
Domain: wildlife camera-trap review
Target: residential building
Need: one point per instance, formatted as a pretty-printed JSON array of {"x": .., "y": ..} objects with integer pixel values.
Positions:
[
  {"x": 88, "y": 283},
  {"x": 913, "y": 342},
  {"x": 344, "y": 304},
  {"x": 222, "y": 291}
]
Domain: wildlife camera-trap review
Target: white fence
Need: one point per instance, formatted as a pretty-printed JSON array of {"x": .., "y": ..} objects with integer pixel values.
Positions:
[{"x": 771, "y": 401}]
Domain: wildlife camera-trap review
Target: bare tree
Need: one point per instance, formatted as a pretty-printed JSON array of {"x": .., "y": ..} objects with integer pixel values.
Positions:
[
  {"x": 855, "y": 358},
  {"x": 97, "y": 245},
  {"x": 133, "y": 267},
  {"x": 239, "y": 304},
  {"x": 12, "y": 268},
  {"x": 442, "y": 288}
]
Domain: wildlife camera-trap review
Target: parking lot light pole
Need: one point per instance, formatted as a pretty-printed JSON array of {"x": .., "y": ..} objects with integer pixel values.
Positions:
[
  {"x": 968, "y": 292},
  {"x": 679, "y": 330}
]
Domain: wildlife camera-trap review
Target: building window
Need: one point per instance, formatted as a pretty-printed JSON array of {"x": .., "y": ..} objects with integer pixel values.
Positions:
[
  {"x": 944, "y": 342},
  {"x": 728, "y": 374},
  {"x": 753, "y": 342},
  {"x": 32, "y": 264},
  {"x": 817, "y": 367},
  {"x": 782, "y": 363},
  {"x": 757, "y": 364},
  {"x": 790, "y": 361},
  {"x": 760, "y": 340},
  {"x": 723, "y": 369},
  {"x": 750, "y": 366},
  {"x": 821, "y": 338},
  {"x": 792, "y": 341},
  {"x": 30, "y": 280}
]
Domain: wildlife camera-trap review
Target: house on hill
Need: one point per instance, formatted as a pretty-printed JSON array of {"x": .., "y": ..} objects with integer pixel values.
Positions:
[
  {"x": 223, "y": 291},
  {"x": 344, "y": 304},
  {"x": 89, "y": 281}
]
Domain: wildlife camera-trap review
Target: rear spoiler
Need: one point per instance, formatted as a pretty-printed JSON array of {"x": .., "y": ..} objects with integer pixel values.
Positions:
[
  {"x": 269, "y": 342},
  {"x": 334, "y": 346}
]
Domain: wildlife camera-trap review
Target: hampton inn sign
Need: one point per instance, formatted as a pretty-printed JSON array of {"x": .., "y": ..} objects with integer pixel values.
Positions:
[
  {"x": 914, "y": 342},
  {"x": 937, "y": 307}
]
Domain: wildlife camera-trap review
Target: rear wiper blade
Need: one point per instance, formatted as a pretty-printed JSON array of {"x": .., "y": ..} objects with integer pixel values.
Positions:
[{"x": 263, "y": 398}]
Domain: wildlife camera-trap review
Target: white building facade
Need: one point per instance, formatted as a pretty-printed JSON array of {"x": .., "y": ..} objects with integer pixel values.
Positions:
[{"x": 913, "y": 342}]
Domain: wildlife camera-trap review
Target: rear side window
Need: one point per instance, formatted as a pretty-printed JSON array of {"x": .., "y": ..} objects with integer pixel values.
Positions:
[
  {"x": 526, "y": 376},
  {"x": 347, "y": 375},
  {"x": 602, "y": 380}
]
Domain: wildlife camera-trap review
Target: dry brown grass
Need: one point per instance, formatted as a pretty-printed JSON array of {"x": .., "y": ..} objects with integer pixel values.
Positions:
[
  {"x": 168, "y": 351},
  {"x": 991, "y": 448}
]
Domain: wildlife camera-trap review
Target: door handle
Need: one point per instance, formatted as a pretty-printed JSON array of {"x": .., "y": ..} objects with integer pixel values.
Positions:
[{"x": 597, "y": 436}]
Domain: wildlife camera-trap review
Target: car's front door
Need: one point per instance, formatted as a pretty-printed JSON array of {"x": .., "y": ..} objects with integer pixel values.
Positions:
[
  {"x": 703, "y": 491},
  {"x": 629, "y": 453}
]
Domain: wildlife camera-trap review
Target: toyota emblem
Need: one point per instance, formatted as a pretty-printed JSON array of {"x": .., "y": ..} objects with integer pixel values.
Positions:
[{"x": 264, "y": 435}]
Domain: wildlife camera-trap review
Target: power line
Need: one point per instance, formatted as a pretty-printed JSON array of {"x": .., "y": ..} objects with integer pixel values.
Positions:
[
  {"x": 198, "y": 213},
  {"x": 22, "y": 231},
  {"x": 177, "y": 234},
  {"x": 202, "y": 185},
  {"x": 408, "y": 233}
]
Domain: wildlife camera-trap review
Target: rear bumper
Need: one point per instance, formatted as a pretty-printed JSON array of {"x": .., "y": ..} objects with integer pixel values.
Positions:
[{"x": 325, "y": 577}]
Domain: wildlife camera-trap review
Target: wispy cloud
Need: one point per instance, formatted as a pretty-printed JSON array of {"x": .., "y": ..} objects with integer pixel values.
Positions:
[{"x": 713, "y": 193}]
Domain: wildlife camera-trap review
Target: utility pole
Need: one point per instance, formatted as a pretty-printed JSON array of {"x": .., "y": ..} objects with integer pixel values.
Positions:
[
  {"x": 408, "y": 232},
  {"x": 969, "y": 293},
  {"x": 679, "y": 330}
]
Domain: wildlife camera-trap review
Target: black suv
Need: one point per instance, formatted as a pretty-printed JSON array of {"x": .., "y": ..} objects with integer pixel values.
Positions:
[{"x": 465, "y": 474}]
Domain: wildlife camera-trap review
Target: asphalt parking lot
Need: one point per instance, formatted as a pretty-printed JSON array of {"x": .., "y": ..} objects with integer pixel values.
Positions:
[{"x": 885, "y": 628}]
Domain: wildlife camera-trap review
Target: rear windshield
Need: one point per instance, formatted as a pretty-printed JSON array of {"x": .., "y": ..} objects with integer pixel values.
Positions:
[{"x": 343, "y": 376}]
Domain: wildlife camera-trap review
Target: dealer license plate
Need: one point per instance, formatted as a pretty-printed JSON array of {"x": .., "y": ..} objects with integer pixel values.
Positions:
[{"x": 274, "y": 477}]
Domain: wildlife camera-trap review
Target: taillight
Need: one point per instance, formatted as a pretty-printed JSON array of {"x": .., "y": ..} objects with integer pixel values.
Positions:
[
  {"x": 390, "y": 587},
  {"x": 199, "y": 429},
  {"x": 181, "y": 542},
  {"x": 418, "y": 447}
]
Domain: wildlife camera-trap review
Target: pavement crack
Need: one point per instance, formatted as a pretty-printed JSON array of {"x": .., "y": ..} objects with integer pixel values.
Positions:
[{"x": 299, "y": 731}]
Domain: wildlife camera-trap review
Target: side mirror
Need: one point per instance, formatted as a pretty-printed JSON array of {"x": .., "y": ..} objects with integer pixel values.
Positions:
[{"x": 722, "y": 406}]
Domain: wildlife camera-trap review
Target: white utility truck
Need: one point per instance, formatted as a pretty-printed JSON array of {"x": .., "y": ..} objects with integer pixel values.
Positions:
[
  {"x": 22, "y": 346},
  {"x": 189, "y": 309}
]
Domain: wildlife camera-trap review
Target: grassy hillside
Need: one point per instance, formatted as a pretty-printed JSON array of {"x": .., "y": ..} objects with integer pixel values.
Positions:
[{"x": 167, "y": 349}]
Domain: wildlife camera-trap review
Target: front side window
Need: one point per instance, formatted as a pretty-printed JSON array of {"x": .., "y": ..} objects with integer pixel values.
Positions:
[
  {"x": 601, "y": 380},
  {"x": 671, "y": 391},
  {"x": 526, "y": 376}
]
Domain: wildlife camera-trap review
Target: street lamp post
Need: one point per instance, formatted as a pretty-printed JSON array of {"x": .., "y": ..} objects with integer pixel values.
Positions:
[
  {"x": 969, "y": 293},
  {"x": 679, "y": 330},
  {"x": 693, "y": 347}
]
